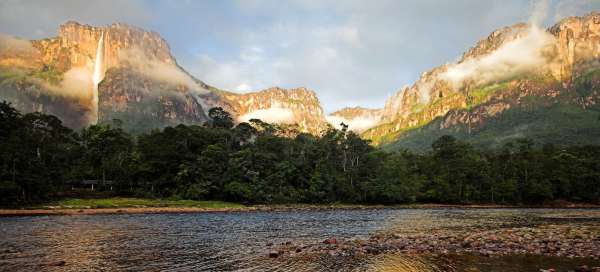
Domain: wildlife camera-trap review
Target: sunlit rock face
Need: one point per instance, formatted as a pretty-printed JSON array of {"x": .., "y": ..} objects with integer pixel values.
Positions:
[
  {"x": 277, "y": 105},
  {"x": 515, "y": 69},
  {"x": 357, "y": 119},
  {"x": 62, "y": 75},
  {"x": 577, "y": 44},
  {"x": 138, "y": 81},
  {"x": 142, "y": 103},
  {"x": 76, "y": 45}
]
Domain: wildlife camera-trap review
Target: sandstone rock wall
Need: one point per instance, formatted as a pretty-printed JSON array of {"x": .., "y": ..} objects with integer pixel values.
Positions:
[{"x": 574, "y": 51}]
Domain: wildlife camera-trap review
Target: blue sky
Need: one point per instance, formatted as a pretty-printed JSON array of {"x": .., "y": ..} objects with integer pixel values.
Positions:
[{"x": 351, "y": 52}]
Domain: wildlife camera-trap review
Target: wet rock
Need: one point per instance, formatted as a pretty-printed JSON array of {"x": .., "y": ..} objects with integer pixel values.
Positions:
[
  {"x": 583, "y": 268},
  {"x": 57, "y": 263},
  {"x": 273, "y": 254},
  {"x": 330, "y": 241}
]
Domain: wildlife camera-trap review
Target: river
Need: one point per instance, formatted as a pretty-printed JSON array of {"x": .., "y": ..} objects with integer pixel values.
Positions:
[{"x": 241, "y": 241}]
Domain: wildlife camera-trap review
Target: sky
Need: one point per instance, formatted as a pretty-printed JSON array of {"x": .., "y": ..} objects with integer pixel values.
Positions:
[{"x": 350, "y": 52}]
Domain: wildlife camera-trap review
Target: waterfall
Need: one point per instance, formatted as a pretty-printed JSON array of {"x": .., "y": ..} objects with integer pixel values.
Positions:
[{"x": 97, "y": 77}]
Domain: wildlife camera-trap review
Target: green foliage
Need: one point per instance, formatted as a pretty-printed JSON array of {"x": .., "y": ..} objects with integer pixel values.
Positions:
[
  {"x": 584, "y": 84},
  {"x": 33, "y": 155},
  {"x": 11, "y": 76},
  {"x": 220, "y": 118},
  {"x": 252, "y": 163},
  {"x": 556, "y": 123},
  {"x": 48, "y": 73},
  {"x": 480, "y": 95}
]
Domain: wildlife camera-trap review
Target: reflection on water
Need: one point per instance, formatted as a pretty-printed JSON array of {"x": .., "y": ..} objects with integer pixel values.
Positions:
[
  {"x": 237, "y": 241},
  {"x": 472, "y": 263},
  {"x": 400, "y": 263},
  {"x": 173, "y": 242}
]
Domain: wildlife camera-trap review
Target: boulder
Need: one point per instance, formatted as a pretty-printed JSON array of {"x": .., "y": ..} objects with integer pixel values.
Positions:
[{"x": 330, "y": 241}]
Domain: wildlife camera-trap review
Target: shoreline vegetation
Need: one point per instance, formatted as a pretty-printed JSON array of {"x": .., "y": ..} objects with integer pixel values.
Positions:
[
  {"x": 121, "y": 205},
  {"x": 267, "y": 164}
]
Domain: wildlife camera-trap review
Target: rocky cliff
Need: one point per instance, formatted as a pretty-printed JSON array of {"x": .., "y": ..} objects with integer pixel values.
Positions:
[
  {"x": 357, "y": 119},
  {"x": 93, "y": 74},
  {"x": 489, "y": 95},
  {"x": 62, "y": 76},
  {"x": 298, "y": 106}
]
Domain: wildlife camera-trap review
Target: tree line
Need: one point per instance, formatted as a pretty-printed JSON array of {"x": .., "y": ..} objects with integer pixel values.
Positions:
[{"x": 257, "y": 162}]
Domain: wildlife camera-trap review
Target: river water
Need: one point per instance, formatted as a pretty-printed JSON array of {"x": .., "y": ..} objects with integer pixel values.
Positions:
[{"x": 237, "y": 241}]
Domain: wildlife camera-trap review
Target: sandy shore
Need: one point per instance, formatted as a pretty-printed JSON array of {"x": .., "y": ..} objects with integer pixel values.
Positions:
[
  {"x": 156, "y": 210},
  {"x": 147, "y": 210}
]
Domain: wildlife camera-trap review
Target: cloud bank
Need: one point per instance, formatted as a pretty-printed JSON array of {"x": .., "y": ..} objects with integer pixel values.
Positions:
[
  {"x": 76, "y": 84},
  {"x": 358, "y": 124},
  {"x": 275, "y": 115},
  {"x": 521, "y": 55},
  {"x": 156, "y": 69},
  {"x": 338, "y": 47},
  {"x": 10, "y": 44}
]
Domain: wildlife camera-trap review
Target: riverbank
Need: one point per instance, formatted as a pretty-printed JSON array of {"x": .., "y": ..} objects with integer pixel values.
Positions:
[
  {"x": 542, "y": 238},
  {"x": 118, "y": 205},
  {"x": 451, "y": 240}
]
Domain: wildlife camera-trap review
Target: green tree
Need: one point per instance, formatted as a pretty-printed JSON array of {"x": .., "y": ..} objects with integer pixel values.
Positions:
[{"x": 220, "y": 118}]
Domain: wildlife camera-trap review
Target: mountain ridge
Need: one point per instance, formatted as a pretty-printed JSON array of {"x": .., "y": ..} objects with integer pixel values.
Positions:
[
  {"x": 142, "y": 83},
  {"x": 564, "y": 53},
  {"x": 146, "y": 85}
]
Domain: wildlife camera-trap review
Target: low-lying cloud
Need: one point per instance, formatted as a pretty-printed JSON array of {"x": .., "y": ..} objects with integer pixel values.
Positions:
[
  {"x": 521, "y": 55},
  {"x": 10, "y": 44},
  {"x": 76, "y": 83},
  {"x": 275, "y": 115},
  {"x": 516, "y": 57},
  {"x": 156, "y": 69},
  {"x": 358, "y": 124}
]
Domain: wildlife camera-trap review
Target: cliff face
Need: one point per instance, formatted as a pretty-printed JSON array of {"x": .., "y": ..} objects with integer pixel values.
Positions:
[
  {"x": 59, "y": 74},
  {"x": 76, "y": 45},
  {"x": 143, "y": 104},
  {"x": 577, "y": 45},
  {"x": 293, "y": 106},
  {"x": 139, "y": 82},
  {"x": 357, "y": 119},
  {"x": 515, "y": 70}
]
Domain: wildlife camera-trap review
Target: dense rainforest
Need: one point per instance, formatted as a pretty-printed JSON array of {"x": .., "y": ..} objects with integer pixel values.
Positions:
[{"x": 257, "y": 162}]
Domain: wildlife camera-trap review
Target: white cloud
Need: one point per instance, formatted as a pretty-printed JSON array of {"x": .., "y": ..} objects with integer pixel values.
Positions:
[
  {"x": 40, "y": 19},
  {"x": 275, "y": 114},
  {"x": 158, "y": 70},
  {"x": 378, "y": 46},
  {"x": 348, "y": 51},
  {"x": 539, "y": 12},
  {"x": 238, "y": 75},
  {"x": 565, "y": 8},
  {"x": 77, "y": 83},
  {"x": 10, "y": 44},
  {"x": 252, "y": 54},
  {"x": 243, "y": 88},
  {"x": 357, "y": 124},
  {"x": 521, "y": 55}
]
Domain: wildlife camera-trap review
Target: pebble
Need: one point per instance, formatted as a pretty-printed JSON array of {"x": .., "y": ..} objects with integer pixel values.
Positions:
[
  {"x": 57, "y": 263},
  {"x": 330, "y": 241},
  {"x": 273, "y": 254},
  {"x": 562, "y": 240}
]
